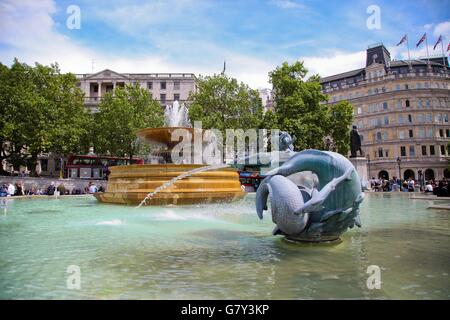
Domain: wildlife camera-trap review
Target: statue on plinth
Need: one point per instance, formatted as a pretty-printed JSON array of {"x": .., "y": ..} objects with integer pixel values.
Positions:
[{"x": 355, "y": 143}]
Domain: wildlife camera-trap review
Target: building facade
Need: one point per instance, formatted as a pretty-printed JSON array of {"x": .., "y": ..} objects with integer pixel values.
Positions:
[
  {"x": 164, "y": 87},
  {"x": 401, "y": 109}
]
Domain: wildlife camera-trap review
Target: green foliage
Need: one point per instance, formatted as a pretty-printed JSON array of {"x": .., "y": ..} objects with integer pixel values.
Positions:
[
  {"x": 41, "y": 111},
  {"x": 120, "y": 115},
  {"x": 222, "y": 103},
  {"x": 341, "y": 117},
  {"x": 300, "y": 109}
]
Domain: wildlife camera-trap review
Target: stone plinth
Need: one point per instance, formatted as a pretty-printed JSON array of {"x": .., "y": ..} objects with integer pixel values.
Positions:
[{"x": 360, "y": 164}]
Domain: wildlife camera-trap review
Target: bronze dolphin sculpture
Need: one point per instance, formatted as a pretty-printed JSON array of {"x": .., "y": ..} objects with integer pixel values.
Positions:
[{"x": 321, "y": 213}]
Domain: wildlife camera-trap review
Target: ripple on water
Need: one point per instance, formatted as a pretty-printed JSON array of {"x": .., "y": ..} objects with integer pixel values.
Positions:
[{"x": 215, "y": 252}]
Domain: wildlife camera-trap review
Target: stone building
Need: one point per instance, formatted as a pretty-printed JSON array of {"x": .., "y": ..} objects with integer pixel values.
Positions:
[
  {"x": 401, "y": 109},
  {"x": 164, "y": 87}
]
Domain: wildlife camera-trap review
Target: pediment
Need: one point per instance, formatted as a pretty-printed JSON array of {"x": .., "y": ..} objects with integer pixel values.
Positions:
[{"x": 107, "y": 74}]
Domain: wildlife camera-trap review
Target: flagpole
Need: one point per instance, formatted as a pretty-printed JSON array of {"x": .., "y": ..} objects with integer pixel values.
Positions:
[
  {"x": 407, "y": 45},
  {"x": 443, "y": 55},
  {"x": 428, "y": 54}
]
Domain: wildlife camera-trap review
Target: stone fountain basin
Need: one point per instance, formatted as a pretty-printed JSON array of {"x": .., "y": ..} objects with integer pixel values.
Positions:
[{"x": 130, "y": 185}]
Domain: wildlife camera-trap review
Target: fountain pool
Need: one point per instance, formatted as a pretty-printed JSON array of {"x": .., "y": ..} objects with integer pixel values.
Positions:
[{"x": 220, "y": 251}]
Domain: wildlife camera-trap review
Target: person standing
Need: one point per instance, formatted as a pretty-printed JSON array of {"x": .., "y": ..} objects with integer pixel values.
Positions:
[{"x": 11, "y": 190}]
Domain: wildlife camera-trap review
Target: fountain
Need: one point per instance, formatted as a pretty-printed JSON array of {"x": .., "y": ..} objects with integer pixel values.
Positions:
[{"x": 165, "y": 182}]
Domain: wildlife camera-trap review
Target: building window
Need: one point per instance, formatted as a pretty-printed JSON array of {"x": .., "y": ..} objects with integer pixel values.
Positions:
[
  {"x": 411, "y": 133},
  {"x": 386, "y": 119},
  {"x": 359, "y": 110},
  {"x": 385, "y": 105},
  {"x": 432, "y": 152},
  {"x": 445, "y": 117},
  {"x": 421, "y": 133},
  {"x": 163, "y": 85},
  {"x": 442, "y": 150},
  {"x": 441, "y": 133},
  {"x": 380, "y": 152},
  {"x": 428, "y": 103},
  {"x": 162, "y": 97},
  {"x": 406, "y": 87},
  {"x": 412, "y": 151},
  {"x": 378, "y": 136},
  {"x": 429, "y": 117},
  {"x": 401, "y": 134},
  {"x": 397, "y": 87},
  {"x": 429, "y": 133},
  {"x": 420, "y": 117},
  {"x": 176, "y": 85},
  {"x": 447, "y": 133},
  {"x": 400, "y": 119},
  {"x": 176, "y": 97},
  {"x": 407, "y": 103},
  {"x": 399, "y": 104},
  {"x": 149, "y": 85},
  {"x": 410, "y": 118},
  {"x": 424, "y": 150},
  {"x": 403, "y": 151},
  {"x": 419, "y": 104}
]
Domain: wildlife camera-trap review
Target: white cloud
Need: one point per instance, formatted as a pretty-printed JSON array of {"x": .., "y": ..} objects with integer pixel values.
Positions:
[
  {"x": 443, "y": 29},
  {"x": 28, "y": 32},
  {"x": 333, "y": 64},
  {"x": 288, "y": 4}
]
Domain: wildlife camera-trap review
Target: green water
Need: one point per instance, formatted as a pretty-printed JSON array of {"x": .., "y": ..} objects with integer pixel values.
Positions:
[{"x": 217, "y": 252}]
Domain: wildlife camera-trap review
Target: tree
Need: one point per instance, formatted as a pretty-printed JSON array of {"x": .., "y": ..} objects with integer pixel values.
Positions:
[
  {"x": 300, "y": 109},
  {"x": 341, "y": 116},
  {"x": 42, "y": 111},
  {"x": 222, "y": 103},
  {"x": 120, "y": 115}
]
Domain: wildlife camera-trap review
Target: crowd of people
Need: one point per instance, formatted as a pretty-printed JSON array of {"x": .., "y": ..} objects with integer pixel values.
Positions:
[
  {"x": 18, "y": 189},
  {"x": 439, "y": 188}
]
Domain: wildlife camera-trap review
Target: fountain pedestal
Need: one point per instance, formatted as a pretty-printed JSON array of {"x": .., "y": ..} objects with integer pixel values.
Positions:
[{"x": 131, "y": 184}]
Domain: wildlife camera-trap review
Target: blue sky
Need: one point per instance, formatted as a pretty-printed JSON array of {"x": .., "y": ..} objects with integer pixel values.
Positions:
[{"x": 253, "y": 36}]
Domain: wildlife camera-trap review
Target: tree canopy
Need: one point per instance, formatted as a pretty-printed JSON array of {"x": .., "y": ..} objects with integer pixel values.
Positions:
[
  {"x": 41, "y": 111},
  {"x": 301, "y": 109},
  {"x": 120, "y": 115},
  {"x": 223, "y": 103}
]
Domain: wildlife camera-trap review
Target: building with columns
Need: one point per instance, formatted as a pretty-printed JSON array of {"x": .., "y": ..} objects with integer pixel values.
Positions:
[
  {"x": 164, "y": 87},
  {"x": 401, "y": 109}
]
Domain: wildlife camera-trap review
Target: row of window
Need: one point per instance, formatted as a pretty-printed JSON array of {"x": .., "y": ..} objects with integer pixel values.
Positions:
[
  {"x": 384, "y": 106},
  {"x": 424, "y": 150},
  {"x": 163, "y": 97},
  {"x": 442, "y": 118},
  {"x": 410, "y": 151},
  {"x": 372, "y": 91},
  {"x": 406, "y": 134},
  {"x": 163, "y": 85}
]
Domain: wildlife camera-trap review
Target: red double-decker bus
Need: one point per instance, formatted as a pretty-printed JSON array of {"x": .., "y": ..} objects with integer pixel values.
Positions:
[{"x": 93, "y": 166}]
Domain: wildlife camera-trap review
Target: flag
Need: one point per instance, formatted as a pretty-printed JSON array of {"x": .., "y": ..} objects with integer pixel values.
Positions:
[
  {"x": 402, "y": 40},
  {"x": 437, "y": 42},
  {"x": 421, "y": 39}
]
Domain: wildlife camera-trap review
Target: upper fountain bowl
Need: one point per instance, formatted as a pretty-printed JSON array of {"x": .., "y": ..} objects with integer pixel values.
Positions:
[{"x": 164, "y": 135}]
